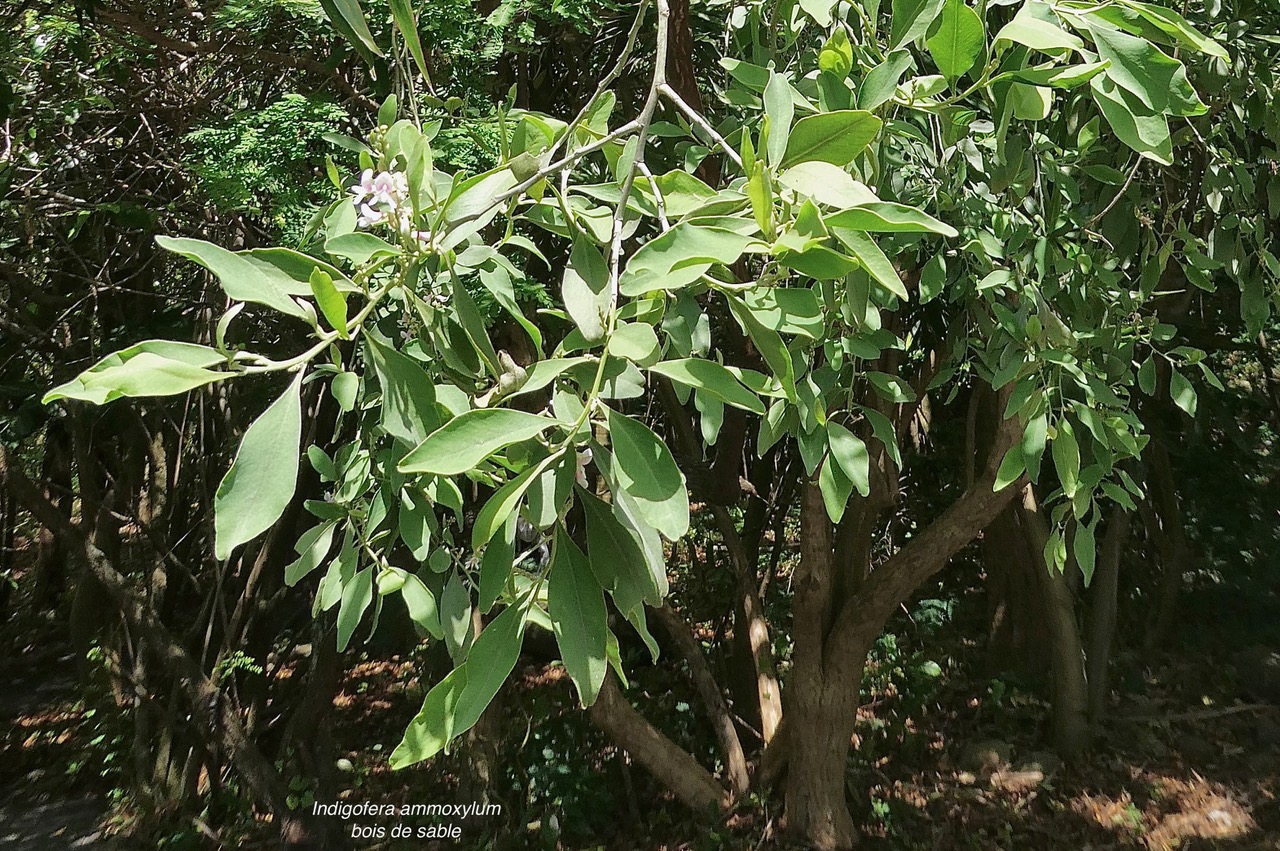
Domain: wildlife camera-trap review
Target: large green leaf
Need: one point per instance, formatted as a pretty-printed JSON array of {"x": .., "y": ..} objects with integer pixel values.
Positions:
[
  {"x": 888, "y": 217},
  {"x": 787, "y": 310},
  {"x": 911, "y": 19},
  {"x": 1035, "y": 26},
  {"x": 779, "y": 108},
  {"x": 1178, "y": 28},
  {"x": 356, "y": 597},
  {"x": 588, "y": 298},
  {"x": 433, "y": 727},
  {"x": 575, "y": 603},
  {"x": 494, "y": 514},
  {"x": 1066, "y": 458},
  {"x": 240, "y": 279},
  {"x": 264, "y": 475},
  {"x": 879, "y": 266},
  {"x": 645, "y": 469},
  {"x": 1159, "y": 81},
  {"x": 957, "y": 39},
  {"x": 1139, "y": 128},
  {"x": 679, "y": 257},
  {"x": 421, "y": 604},
  {"x": 312, "y": 548},
  {"x": 768, "y": 343},
  {"x": 490, "y": 661},
  {"x": 150, "y": 368},
  {"x": 617, "y": 556},
  {"x": 349, "y": 21},
  {"x": 462, "y": 443},
  {"x": 713, "y": 378},
  {"x": 402, "y": 13},
  {"x": 832, "y": 137},
  {"x": 851, "y": 454},
  {"x": 408, "y": 411},
  {"x": 882, "y": 81}
]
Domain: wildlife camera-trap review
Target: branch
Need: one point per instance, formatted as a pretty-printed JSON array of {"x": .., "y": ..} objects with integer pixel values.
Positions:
[{"x": 673, "y": 766}]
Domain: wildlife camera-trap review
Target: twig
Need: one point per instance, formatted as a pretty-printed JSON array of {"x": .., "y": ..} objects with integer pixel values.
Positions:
[{"x": 694, "y": 116}]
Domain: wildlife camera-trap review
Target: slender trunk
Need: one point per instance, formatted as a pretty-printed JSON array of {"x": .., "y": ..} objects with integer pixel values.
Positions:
[
  {"x": 1102, "y": 612},
  {"x": 1070, "y": 689}
]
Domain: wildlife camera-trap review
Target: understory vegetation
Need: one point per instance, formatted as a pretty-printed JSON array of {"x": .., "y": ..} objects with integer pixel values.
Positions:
[{"x": 663, "y": 424}]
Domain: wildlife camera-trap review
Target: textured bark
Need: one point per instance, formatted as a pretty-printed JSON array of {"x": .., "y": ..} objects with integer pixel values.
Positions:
[
  {"x": 691, "y": 784},
  {"x": 1017, "y": 640}
]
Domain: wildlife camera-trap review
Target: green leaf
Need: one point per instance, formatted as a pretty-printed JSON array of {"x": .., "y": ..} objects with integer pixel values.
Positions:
[
  {"x": 345, "y": 387},
  {"x": 779, "y": 109},
  {"x": 240, "y": 279},
  {"x": 880, "y": 268},
  {"x": 150, "y": 368},
  {"x": 891, "y": 387},
  {"x": 1147, "y": 376},
  {"x": 827, "y": 184},
  {"x": 712, "y": 378},
  {"x": 933, "y": 278},
  {"x": 359, "y": 247},
  {"x": 833, "y": 137},
  {"x": 851, "y": 454},
  {"x": 585, "y": 289},
  {"x": 1055, "y": 76},
  {"x": 787, "y": 310},
  {"x": 1182, "y": 393},
  {"x": 636, "y": 342},
  {"x": 836, "y": 56},
  {"x": 835, "y": 487},
  {"x": 1011, "y": 467},
  {"x": 819, "y": 10},
  {"x": 495, "y": 565},
  {"x": 1033, "y": 442},
  {"x": 490, "y": 661},
  {"x": 679, "y": 257},
  {"x": 421, "y": 604},
  {"x": 1066, "y": 458},
  {"x": 575, "y": 603},
  {"x": 348, "y": 20},
  {"x": 645, "y": 469},
  {"x": 957, "y": 39},
  {"x": 312, "y": 548},
  {"x": 494, "y": 513},
  {"x": 332, "y": 303},
  {"x": 455, "y": 616},
  {"x": 882, "y": 81},
  {"x": 617, "y": 557},
  {"x": 1085, "y": 547},
  {"x": 461, "y": 444},
  {"x": 769, "y": 344},
  {"x": 912, "y": 19},
  {"x": 433, "y": 727},
  {"x": 1035, "y": 26},
  {"x": 1135, "y": 125},
  {"x": 356, "y": 597},
  {"x": 888, "y": 217},
  {"x": 883, "y": 429},
  {"x": 264, "y": 475},
  {"x": 1159, "y": 81},
  {"x": 402, "y": 13},
  {"x": 1177, "y": 27},
  {"x": 408, "y": 410}
]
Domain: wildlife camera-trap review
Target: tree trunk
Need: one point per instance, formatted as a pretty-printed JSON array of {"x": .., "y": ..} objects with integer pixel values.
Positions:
[
  {"x": 1017, "y": 640},
  {"x": 1102, "y": 612},
  {"x": 824, "y": 712},
  {"x": 1070, "y": 689}
]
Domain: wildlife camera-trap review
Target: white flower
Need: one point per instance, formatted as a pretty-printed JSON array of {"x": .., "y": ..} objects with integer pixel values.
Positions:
[{"x": 379, "y": 197}]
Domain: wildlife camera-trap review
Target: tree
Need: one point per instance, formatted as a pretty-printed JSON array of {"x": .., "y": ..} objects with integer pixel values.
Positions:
[{"x": 909, "y": 246}]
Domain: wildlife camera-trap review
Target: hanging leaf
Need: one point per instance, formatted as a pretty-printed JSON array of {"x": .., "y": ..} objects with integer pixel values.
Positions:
[
  {"x": 263, "y": 477},
  {"x": 575, "y": 602},
  {"x": 957, "y": 39},
  {"x": 645, "y": 469},
  {"x": 240, "y": 279},
  {"x": 832, "y": 137}
]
